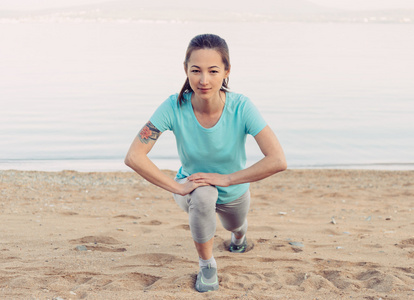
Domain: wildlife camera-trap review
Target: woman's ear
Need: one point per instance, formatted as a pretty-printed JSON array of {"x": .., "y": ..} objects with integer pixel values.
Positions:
[{"x": 227, "y": 72}]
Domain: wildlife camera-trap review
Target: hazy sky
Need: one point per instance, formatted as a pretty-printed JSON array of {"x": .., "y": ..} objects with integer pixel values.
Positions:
[
  {"x": 347, "y": 4},
  {"x": 366, "y": 4}
]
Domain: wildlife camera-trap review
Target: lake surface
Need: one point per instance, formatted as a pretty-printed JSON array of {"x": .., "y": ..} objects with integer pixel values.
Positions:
[{"x": 74, "y": 95}]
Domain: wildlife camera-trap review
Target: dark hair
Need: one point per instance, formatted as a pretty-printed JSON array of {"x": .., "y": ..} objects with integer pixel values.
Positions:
[{"x": 206, "y": 41}]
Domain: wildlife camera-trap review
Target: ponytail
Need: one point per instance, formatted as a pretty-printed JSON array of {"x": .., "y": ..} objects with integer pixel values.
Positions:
[{"x": 184, "y": 90}]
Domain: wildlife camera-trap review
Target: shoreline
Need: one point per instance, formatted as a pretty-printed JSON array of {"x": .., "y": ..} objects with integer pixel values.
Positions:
[
  {"x": 117, "y": 165},
  {"x": 322, "y": 233}
]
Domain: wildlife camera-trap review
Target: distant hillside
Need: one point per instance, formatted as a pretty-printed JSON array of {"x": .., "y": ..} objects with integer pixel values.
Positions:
[
  {"x": 213, "y": 10},
  {"x": 220, "y": 6}
]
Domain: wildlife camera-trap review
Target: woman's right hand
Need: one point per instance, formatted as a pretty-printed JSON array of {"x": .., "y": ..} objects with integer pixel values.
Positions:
[{"x": 189, "y": 186}]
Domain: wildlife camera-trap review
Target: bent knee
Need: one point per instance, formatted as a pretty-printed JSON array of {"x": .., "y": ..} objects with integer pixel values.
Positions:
[
  {"x": 205, "y": 192},
  {"x": 204, "y": 197}
]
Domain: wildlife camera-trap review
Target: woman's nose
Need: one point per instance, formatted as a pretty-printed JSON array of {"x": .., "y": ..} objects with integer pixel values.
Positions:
[{"x": 204, "y": 79}]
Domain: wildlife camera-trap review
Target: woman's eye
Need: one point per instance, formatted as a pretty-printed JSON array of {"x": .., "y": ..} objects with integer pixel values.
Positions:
[{"x": 195, "y": 71}]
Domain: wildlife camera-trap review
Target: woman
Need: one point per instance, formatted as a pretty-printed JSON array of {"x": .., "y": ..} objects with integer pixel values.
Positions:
[{"x": 210, "y": 125}]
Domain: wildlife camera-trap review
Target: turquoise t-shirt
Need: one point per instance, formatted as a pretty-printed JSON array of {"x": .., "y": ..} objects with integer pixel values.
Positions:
[{"x": 219, "y": 149}]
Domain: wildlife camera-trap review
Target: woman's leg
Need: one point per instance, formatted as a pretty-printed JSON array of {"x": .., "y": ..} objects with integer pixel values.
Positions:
[
  {"x": 201, "y": 208},
  {"x": 205, "y": 250},
  {"x": 233, "y": 215}
]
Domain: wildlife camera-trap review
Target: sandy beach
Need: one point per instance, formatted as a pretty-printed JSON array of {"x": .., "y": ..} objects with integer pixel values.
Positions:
[{"x": 313, "y": 234}]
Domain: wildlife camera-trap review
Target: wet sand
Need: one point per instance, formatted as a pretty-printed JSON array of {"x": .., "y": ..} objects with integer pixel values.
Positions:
[{"x": 313, "y": 234}]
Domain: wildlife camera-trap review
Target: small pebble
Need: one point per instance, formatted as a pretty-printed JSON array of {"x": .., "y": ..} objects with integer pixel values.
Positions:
[
  {"x": 339, "y": 247},
  {"x": 296, "y": 244},
  {"x": 333, "y": 220},
  {"x": 368, "y": 219},
  {"x": 282, "y": 213},
  {"x": 81, "y": 248}
]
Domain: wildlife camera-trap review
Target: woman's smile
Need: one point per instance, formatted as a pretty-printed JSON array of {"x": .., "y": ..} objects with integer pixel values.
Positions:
[{"x": 204, "y": 90}]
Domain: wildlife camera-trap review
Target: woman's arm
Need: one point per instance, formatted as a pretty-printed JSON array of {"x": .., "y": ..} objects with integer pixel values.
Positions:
[
  {"x": 137, "y": 159},
  {"x": 273, "y": 162}
]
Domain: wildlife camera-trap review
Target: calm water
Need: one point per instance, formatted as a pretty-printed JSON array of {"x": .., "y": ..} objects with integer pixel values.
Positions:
[{"x": 74, "y": 95}]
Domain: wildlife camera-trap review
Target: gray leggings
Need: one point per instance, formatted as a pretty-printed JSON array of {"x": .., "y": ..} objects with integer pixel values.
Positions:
[{"x": 201, "y": 207}]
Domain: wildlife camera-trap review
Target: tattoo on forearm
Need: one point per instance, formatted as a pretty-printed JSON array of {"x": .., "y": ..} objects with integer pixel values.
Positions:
[{"x": 148, "y": 132}]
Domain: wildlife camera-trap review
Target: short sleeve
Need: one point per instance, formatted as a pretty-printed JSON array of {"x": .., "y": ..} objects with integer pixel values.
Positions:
[
  {"x": 163, "y": 117},
  {"x": 254, "y": 121}
]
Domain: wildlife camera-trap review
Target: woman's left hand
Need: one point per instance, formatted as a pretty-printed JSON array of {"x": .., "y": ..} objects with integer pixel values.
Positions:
[{"x": 210, "y": 178}]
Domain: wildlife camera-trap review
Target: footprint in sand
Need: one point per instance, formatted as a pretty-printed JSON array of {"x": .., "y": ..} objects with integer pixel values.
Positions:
[
  {"x": 130, "y": 281},
  {"x": 314, "y": 282},
  {"x": 336, "y": 278},
  {"x": 154, "y": 260},
  {"x": 327, "y": 279},
  {"x": 185, "y": 282},
  {"x": 105, "y": 249},
  {"x": 406, "y": 243},
  {"x": 183, "y": 226},
  {"x": 135, "y": 278},
  {"x": 296, "y": 279},
  {"x": 92, "y": 243},
  {"x": 262, "y": 241},
  {"x": 69, "y": 213},
  {"x": 239, "y": 277},
  {"x": 356, "y": 275},
  {"x": 95, "y": 240},
  {"x": 76, "y": 277},
  {"x": 127, "y": 217},
  {"x": 286, "y": 248},
  {"x": 376, "y": 280},
  {"x": 152, "y": 222},
  {"x": 409, "y": 243}
]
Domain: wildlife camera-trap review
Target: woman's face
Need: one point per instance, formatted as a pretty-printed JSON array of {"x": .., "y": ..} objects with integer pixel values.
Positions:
[{"x": 206, "y": 71}]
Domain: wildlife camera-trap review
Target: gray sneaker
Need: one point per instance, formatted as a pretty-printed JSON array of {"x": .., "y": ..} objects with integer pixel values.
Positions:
[
  {"x": 207, "y": 280},
  {"x": 238, "y": 248}
]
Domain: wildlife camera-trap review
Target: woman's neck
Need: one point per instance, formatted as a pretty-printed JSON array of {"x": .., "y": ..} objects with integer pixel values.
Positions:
[{"x": 210, "y": 106}]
